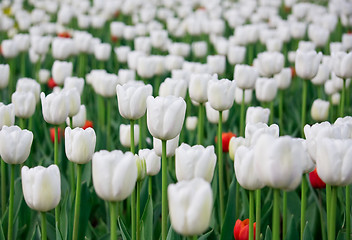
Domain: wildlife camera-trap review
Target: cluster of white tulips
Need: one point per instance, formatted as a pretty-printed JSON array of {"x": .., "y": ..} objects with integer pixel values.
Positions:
[{"x": 137, "y": 95}]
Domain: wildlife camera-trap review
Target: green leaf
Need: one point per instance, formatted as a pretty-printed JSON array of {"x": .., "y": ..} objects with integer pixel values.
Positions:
[
  {"x": 206, "y": 235},
  {"x": 123, "y": 229},
  {"x": 230, "y": 215},
  {"x": 147, "y": 220},
  {"x": 172, "y": 235},
  {"x": 86, "y": 206},
  {"x": 268, "y": 233},
  {"x": 2, "y": 235},
  {"x": 292, "y": 231},
  {"x": 294, "y": 205},
  {"x": 64, "y": 218},
  {"x": 307, "y": 235},
  {"x": 341, "y": 235}
]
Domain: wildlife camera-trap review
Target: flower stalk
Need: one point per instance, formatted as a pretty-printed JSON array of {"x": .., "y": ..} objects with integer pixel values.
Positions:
[
  {"x": 220, "y": 167},
  {"x": 77, "y": 202},
  {"x": 43, "y": 216},
  {"x": 113, "y": 231},
  {"x": 258, "y": 213},
  {"x": 251, "y": 215},
  {"x": 133, "y": 196},
  {"x": 304, "y": 106},
  {"x": 164, "y": 191},
  {"x": 201, "y": 124},
  {"x": 3, "y": 187},
  {"x": 12, "y": 193},
  {"x": 242, "y": 115},
  {"x": 304, "y": 187},
  {"x": 276, "y": 215}
]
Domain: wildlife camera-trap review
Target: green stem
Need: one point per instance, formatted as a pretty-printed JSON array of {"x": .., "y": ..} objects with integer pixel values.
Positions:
[
  {"x": 276, "y": 215},
  {"x": 12, "y": 82},
  {"x": 102, "y": 64},
  {"x": 12, "y": 193},
  {"x": 271, "y": 116},
  {"x": 251, "y": 215},
  {"x": 164, "y": 191},
  {"x": 133, "y": 196},
  {"x": 77, "y": 203},
  {"x": 258, "y": 213},
  {"x": 201, "y": 124},
  {"x": 113, "y": 229},
  {"x": 138, "y": 208},
  {"x": 71, "y": 168},
  {"x": 37, "y": 68},
  {"x": 81, "y": 64},
  {"x": 195, "y": 238},
  {"x": 348, "y": 213},
  {"x": 284, "y": 214},
  {"x": 242, "y": 116},
  {"x": 303, "y": 204},
  {"x": 43, "y": 215},
  {"x": 23, "y": 64},
  {"x": 342, "y": 99},
  {"x": 22, "y": 123},
  {"x": 150, "y": 186},
  {"x": 108, "y": 124},
  {"x": 101, "y": 111},
  {"x": 304, "y": 106},
  {"x": 56, "y": 162},
  {"x": 220, "y": 168},
  {"x": 281, "y": 108},
  {"x": 237, "y": 200},
  {"x": 328, "y": 204},
  {"x": 332, "y": 222},
  {"x": 3, "y": 187}
]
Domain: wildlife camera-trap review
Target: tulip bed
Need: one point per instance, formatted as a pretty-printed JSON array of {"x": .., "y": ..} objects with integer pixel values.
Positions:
[{"x": 175, "y": 119}]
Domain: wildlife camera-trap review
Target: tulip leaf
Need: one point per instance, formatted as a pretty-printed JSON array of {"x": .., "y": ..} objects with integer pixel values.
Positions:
[
  {"x": 268, "y": 233},
  {"x": 172, "y": 235},
  {"x": 292, "y": 231},
  {"x": 58, "y": 234},
  {"x": 294, "y": 205},
  {"x": 341, "y": 235},
  {"x": 206, "y": 235},
  {"x": 2, "y": 236},
  {"x": 86, "y": 206},
  {"x": 63, "y": 217},
  {"x": 147, "y": 220},
  {"x": 123, "y": 230},
  {"x": 230, "y": 214},
  {"x": 307, "y": 235}
]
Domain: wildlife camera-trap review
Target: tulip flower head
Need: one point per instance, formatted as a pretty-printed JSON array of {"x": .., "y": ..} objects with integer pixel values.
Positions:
[
  {"x": 152, "y": 160},
  {"x": 315, "y": 180},
  {"x": 114, "y": 174},
  {"x": 165, "y": 116},
  {"x": 241, "y": 229},
  {"x": 190, "y": 206},
  {"x": 55, "y": 107},
  {"x": 171, "y": 146},
  {"x": 41, "y": 187},
  {"x": 15, "y": 144},
  {"x": 221, "y": 94},
  {"x": 226, "y": 137},
  {"x": 307, "y": 64}
]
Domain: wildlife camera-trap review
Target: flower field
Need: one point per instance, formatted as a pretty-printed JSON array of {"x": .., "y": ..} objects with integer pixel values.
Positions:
[{"x": 175, "y": 119}]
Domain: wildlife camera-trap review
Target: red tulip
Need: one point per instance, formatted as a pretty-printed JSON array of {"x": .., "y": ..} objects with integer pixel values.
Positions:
[
  {"x": 226, "y": 137},
  {"x": 88, "y": 124},
  {"x": 114, "y": 39},
  {"x": 241, "y": 229},
  {"x": 293, "y": 72},
  {"x": 64, "y": 35},
  {"x": 51, "y": 83},
  {"x": 315, "y": 180},
  {"x": 52, "y": 134}
]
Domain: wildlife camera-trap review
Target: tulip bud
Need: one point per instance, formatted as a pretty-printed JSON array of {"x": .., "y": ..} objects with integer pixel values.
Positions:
[
  {"x": 322, "y": 75},
  {"x": 74, "y": 101},
  {"x": 198, "y": 86},
  {"x": 318, "y": 34},
  {"x": 61, "y": 70},
  {"x": 165, "y": 116},
  {"x": 114, "y": 174},
  {"x": 125, "y": 135},
  {"x": 15, "y": 144},
  {"x": 132, "y": 99},
  {"x": 306, "y": 46},
  {"x": 79, "y": 119},
  {"x": 257, "y": 114},
  {"x": 79, "y": 144},
  {"x": 9, "y": 48},
  {"x": 44, "y": 76},
  {"x": 224, "y": 88},
  {"x": 320, "y": 110},
  {"x": 333, "y": 161},
  {"x": 254, "y": 130},
  {"x": 307, "y": 64},
  {"x": 153, "y": 161},
  {"x": 7, "y": 115},
  {"x": 105, "y": 83},
  {"x": 195, "y": 162},
  {"x": 199, "y": 49},
  {"x": 146, "y": 66},
  {"x": 74, "y": 82},
  {"x": 342, "y": 63},
  {"x": 28, "y": 85},
  {"x": 122, "y": 53},
  {"x": 245, "y": 169},
  {"x": 278, "y": 161},
  {"x": 102, "y": 51},
  {"x": 158, "y": 38},
  {"x": 4, "y": 75},
  {"x": 236, "y": 54},
  {"x": 126, "y": 75},
  {"x": 191, "y": 123},
  {"x": 55, "y": 108},
  {"x": 141, "y": 168},
  {"x": 270, "y": 63},
  {"x": 213, "y": 115},
  {"x": 347, "y": 42},
  {"x": 239, "y": 95},
  {"x": 190, "y": 206},
  {"x": 217, "y": 63},
  {"x": 274, "y": 44},
  {"x": 41, "y": 187},
  {"x": 24, "y": 104},
  {"x": 245, "y": 76},
  {"x": 173, "y": 62},
  {"x": 173, "y": 87},
  {"x": 234, "y": 144},
  {"x": 266, "y": 89},
  {"x": 283, "y": 78},
  {"x": 241, "y": 229}
]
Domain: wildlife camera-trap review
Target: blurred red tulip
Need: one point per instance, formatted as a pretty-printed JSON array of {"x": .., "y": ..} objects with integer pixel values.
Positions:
[
  {"x": 88, "y": 124},
  {"x": 241, "y": 229},
  {"x": 226, "y": 137},
  {"x": 51, "y": 83},
  {"x": 315, "y": 180},
  {"x": 64, "y": 35},
  {"x": 52, "y": 134},
  {"x": 293, "y": 72},
  {"x": 114, "y": 39}
]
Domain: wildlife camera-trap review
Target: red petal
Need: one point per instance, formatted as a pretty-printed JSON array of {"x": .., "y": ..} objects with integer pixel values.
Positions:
[
  {"x": 315, "y": 180},
  {"x": 51, "y": 83},
  {"x": 88, "y": 124}
]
